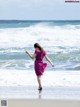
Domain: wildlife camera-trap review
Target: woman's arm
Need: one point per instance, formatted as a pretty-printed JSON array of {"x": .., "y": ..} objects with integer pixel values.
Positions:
[
  {"x": 31, "y": 56},
  {"x": 46, "y": 57}
]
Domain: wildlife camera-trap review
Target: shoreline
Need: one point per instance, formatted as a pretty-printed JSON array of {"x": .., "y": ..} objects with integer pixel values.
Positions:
[{"x": 48, "y": 93}]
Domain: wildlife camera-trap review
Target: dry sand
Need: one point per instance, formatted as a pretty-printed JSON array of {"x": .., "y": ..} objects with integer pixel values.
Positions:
[{"x": 41, "y": 103}]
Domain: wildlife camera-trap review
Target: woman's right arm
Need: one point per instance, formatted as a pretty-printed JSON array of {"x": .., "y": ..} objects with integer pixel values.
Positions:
[{"x": 31, "y": 56}]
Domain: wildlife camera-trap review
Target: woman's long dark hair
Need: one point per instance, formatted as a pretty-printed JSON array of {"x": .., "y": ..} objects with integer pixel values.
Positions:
[{"x": 36, "y": 45}]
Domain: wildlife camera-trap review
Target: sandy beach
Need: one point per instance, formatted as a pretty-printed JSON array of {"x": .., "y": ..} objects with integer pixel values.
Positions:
[{"x": 41, "y": 103}]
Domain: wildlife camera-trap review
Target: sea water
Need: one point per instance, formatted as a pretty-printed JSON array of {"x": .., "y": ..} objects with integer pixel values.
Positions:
[{"x": 60, "y": 40}]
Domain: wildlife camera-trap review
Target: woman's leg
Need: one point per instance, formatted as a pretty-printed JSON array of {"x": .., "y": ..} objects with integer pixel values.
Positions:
[{"x": 39, "y": 81}]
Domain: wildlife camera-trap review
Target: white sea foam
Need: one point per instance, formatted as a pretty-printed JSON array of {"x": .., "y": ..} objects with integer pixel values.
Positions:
[
  {"x": 46, "y": 35},
  {"x": 50, "y": 79},
  {"x": 62, "y": 43}
]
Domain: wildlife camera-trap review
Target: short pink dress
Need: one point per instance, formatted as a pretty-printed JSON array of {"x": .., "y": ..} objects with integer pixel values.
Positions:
[{"x": 39, "y": 66}]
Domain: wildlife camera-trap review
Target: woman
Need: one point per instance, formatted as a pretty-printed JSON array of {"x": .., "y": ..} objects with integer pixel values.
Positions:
[{"x": 39, "y": 66}]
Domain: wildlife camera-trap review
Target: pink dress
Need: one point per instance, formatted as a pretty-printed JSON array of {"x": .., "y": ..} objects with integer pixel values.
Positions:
[{"x": 39, "y": 65}]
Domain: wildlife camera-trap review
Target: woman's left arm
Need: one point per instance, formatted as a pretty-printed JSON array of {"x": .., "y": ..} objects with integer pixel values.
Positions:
[
  {"x": 31, "y": 56},
  {"x": 46, "y": 57}
]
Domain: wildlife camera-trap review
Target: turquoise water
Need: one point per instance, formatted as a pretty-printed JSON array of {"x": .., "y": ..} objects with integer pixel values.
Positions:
[{"x": 60, "y": 39}]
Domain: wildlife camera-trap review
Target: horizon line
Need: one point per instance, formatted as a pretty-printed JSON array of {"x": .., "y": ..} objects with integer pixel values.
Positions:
[{"x": 39, "y": 20}]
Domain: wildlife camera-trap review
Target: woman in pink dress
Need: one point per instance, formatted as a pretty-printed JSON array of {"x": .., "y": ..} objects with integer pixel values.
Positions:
[{"x": 39, "y": 65}]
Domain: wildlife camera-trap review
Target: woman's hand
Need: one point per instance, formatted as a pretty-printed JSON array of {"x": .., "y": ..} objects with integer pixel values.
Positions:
[
  {"x": 27, "y": 52},
  {"x": 52, "y": 65}
]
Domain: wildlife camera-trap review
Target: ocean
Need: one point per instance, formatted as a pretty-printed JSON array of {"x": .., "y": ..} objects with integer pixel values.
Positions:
[{"x": 60, "y": 39}]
